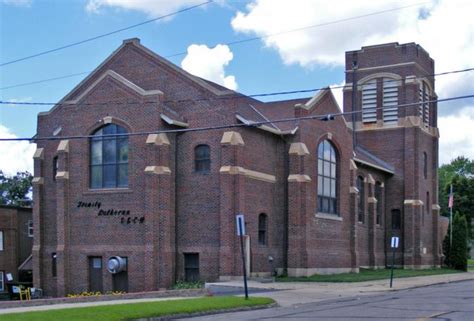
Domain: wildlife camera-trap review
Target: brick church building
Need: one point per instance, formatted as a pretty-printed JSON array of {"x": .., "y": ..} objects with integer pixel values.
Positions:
[{"x": 146, "y": 198}]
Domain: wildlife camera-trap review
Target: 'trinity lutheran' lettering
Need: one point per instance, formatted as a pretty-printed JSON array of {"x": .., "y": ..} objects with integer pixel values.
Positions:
[
  {"x": 112, "y": 212},
  {"x": 89, "y": 204}
]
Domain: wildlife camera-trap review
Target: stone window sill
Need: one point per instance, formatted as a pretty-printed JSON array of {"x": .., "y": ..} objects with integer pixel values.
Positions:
[
  {"x": 107, "y": 191},
  {"x": 327, "y": 216}
]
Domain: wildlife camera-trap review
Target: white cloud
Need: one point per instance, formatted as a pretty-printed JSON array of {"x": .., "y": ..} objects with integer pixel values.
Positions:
[
  {"x": 209, "y": 63},
  {"x": 18, "y": 3},
  {"x": 17, "y": 156},
  {"x": 152, "y": 8},
  {"x": 444, "y": 28},
  {"x": 456, "y": 135}
]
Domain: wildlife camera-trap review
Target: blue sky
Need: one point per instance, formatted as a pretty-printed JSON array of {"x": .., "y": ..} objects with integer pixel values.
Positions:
[{"x": 310, "y": 58}]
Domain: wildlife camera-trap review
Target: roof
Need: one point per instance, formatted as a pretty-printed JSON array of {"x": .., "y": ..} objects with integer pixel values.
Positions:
[{"x": 363, "y": 156}]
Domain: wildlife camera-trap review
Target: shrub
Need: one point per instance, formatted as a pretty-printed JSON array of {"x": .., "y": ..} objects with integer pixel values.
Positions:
[
  {"x": 188, "y": 285},
  {"x": 456, "y": 255}
]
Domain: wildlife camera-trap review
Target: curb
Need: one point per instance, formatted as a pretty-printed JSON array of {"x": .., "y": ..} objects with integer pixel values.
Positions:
[{"x": 204, "y": 313}]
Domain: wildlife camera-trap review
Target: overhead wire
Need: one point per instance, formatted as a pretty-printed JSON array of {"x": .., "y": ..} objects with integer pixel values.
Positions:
[
  {"x": 231, "y": 95},
  {"x": 105, "y": 34},
  {"x": 231, "y": 43},
  {"x": 324, "y": 117}
]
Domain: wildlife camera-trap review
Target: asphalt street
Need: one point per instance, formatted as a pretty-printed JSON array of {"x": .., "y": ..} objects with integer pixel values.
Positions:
[{"x": 448, "y": 302}]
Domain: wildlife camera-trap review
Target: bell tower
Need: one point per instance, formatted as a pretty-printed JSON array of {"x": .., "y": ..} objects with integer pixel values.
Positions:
[{"x": 390, "y": 89}]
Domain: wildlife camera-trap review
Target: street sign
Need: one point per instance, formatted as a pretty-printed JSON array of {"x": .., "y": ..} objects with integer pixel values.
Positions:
[
  {"x": 240, "y": 224},
  {"x": 241, "y": 232},
  {"x": 395, "y": 241}
]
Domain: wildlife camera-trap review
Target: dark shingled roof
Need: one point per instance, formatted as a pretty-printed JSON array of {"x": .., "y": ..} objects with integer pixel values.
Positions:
[{"x": 365, "y": 157}]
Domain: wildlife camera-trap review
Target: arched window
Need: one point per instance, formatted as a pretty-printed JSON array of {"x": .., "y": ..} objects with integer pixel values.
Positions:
[
  {"x": 327, "y": 178},
  {"x": 361, "y": 207},
  {"x": 396, "y": 219},
  {"x": 379, "y": 197},
  {"x": 202, "y": 158},
  {"x": 262, "y": 229},
  {"x": 425, "y": 165},
  {"x": 109, "y": 157}
]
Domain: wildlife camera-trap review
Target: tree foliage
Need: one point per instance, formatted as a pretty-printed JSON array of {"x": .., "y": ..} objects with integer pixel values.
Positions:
[
  {"x": 456, "y": 255},
  {"x": 16, "y": 190},
  {"x": 460, "y": 173}
]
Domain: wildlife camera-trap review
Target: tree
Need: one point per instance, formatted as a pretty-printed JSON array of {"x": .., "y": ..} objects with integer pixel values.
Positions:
[
  {"x": 459, "y": 167},
  {"x": 456, "y": 255},
  {"x": 14, "y": 190}
]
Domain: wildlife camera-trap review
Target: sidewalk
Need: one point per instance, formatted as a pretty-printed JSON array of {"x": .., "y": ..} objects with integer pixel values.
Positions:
[{"x": 293, "y": 293}]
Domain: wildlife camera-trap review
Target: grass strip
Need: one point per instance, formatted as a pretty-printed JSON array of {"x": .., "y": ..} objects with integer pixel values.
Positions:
[
  {"x": 368, "y": 275},
  {"x": 121, "y": 312}
]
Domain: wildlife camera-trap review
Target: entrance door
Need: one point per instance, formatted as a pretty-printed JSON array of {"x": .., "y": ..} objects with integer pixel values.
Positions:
[
  {"x": 120, "y": 281},
  {"x": 95, "y": 274},
  {"x": 191, "y": 267}
]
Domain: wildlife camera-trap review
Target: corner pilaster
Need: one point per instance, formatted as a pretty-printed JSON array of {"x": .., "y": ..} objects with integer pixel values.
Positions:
[
  {"x": 354, "y": 195},
  {"x": 298, "y": 208},
  {"x": 62, "y": 217},
  {"x": 232, "y": 202},
  {"x": 160, "y": 218},
  {"x": 38, "y": 196}
]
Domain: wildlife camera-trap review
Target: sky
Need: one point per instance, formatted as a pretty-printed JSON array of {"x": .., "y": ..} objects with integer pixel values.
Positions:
[{"x": 200, "y": 41}]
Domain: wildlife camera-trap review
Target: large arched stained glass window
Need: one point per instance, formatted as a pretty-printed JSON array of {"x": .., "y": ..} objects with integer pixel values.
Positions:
[
  {"x": 327, "y": 178},
  {"x": 109, "y": 157}
]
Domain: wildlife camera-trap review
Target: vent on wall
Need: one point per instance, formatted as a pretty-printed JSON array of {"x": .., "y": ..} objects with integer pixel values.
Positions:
[
  {"x": 369, "y": 102},
  {"x": 390, "y": 100}
]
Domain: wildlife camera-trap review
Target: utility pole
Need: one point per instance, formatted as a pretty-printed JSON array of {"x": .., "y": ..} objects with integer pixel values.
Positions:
[{"x": 354, "y": 98}]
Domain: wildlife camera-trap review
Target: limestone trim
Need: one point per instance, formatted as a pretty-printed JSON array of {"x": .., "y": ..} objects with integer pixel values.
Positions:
[
  {"x": 352, "y": 165},
  {"x": 232, "y": 138},
  {"x": 370, "y": 179},
  {"x": 435, "y": 207},
  {"x": 395, "y": 77},
  {"x": 158, "y": 170},
  {"x": 63, "y": 146},
  {"x": 238, "y": 170},
  {"x": 314, "y": 100},
  {"x": 39, "y": 154},
  {"x": 297, "y": 272},
  {"x": 107, "y": 119},
  {"x": 332, "y": 217},
  {"x": 403, "y": 122},
  {"x": 171, "y": 121},
  {"x": 299, "y": 178},
  {"x": 353, "y": 190},
  {"x": 119, "y": 78},
  {"x": 38, "y": 180},
  {"x": 62, "y": 175},
  {"x": 413, "y": 202},
  {"x": 299, "y": 149},
  {"x": 158, "y": 139},
  {"x": 372, "y": 200}
]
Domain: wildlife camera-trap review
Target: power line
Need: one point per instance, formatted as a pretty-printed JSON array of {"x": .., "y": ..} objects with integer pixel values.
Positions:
[
  {"x": 105, "y": 34},
  {"x": 230, "y": 96},
  {"x": 231, "y": 43},
  {"x": 254, "y": 124},
  {"x": 236, "y": 42}
]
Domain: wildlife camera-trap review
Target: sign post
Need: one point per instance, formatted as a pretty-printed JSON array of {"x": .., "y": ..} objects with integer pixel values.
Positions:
[
  {"x": 241, "y": 233},
  {"x": 394, "y": 246}
]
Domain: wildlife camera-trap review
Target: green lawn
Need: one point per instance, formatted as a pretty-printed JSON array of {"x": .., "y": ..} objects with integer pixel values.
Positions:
[
  {"x": 367, "y": 275},
  {"x": 470, "y": 265},
  {"x": 138, "y": 310}
]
